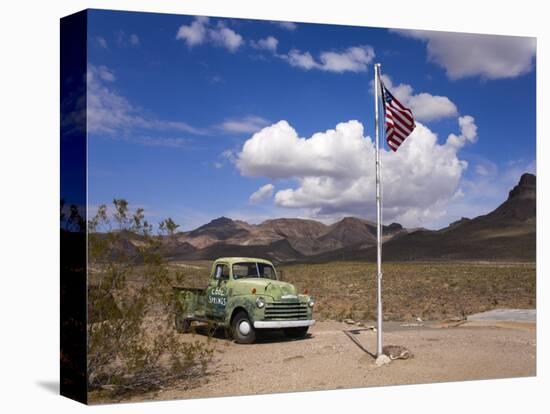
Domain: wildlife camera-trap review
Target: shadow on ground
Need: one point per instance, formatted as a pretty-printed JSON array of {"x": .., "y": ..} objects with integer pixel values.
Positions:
[
  {"x": 265, "y": 336},
  {"x": 51, "y": 386}
]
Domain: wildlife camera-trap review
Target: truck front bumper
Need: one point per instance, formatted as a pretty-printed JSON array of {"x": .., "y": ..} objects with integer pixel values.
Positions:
[{"x": 282, "y": 324}]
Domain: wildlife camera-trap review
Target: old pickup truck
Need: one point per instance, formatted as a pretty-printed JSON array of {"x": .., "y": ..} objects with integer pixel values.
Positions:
[{"x": 245, "y": 295}]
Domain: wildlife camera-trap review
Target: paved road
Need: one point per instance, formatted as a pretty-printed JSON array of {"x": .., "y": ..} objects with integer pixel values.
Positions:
[{"x": 513, "y": 315}]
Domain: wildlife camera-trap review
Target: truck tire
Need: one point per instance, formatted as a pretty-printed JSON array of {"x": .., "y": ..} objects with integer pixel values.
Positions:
[
  {"x": 242, "y": 329},
  {"x": 183, "y": 325},
  {"x": 296, "y": 333}
]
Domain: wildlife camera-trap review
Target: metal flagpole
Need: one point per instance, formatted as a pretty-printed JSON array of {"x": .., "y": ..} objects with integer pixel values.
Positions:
[{"x": 378, "y": 214}]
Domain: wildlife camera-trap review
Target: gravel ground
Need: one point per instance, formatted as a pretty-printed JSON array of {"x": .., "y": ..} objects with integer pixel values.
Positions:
[{"x": 328, "y": 359}]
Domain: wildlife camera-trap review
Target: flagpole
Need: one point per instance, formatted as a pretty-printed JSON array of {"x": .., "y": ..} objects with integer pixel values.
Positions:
[{"x": 378, "y": 214}]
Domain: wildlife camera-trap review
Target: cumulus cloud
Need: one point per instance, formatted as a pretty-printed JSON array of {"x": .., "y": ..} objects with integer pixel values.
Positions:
[
  {"x": 425, "y": 107},
  {"x": 201, "y": 30},
  {"x": 286, "y": 25},
  {"x": 468, "y": 132},
  {"x": 486, "y": 189},
  {"x": 247, "y": 124},
  {"x": 226, "y": 37},
  {"x": 352, "y": 59},
  {"x": 465, "y": 55},
  {"x": 195, "y": 33},
  {"x": 334, "y": 171},
  {"x": 269, "y": 43},
  {"x": 263, "y": 193},
  {"x": 108, "y": 112}
]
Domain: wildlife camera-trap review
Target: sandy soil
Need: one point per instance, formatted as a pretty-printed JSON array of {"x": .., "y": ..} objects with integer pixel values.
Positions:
[{"x": 328, "y": 359}]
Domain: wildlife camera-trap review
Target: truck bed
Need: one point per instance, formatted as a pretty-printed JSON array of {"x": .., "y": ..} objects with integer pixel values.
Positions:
[{"x": 191, "y": 301}]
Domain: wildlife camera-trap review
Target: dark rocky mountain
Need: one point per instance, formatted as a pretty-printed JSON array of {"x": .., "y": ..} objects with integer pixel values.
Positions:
[
  {"x": 507, "y": 233},
  {"x": 278, "y": 252}
]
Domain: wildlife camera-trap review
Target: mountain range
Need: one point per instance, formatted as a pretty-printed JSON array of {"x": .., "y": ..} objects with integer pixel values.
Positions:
[{"x": 507, "y": 233}]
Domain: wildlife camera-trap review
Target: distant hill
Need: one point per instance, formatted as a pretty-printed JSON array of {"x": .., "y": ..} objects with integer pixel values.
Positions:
[{"x": 507, "y": 233}]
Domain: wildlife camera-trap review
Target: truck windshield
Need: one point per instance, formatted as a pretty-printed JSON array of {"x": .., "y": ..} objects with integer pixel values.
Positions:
[{"x": 253, "y": 269}]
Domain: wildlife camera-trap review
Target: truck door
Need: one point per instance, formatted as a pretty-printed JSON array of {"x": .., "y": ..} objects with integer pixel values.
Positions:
[{"x": 216, "y": 293}]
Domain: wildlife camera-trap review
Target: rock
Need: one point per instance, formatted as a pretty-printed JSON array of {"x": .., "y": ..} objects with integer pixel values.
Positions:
[
  {"x": 419, "y": 319},
  {"x": 397, "y": 352},
  {"x": 454, "y": 319},
  {"x": 382, "y": 360},
  {"x": 349, "y": 321}
]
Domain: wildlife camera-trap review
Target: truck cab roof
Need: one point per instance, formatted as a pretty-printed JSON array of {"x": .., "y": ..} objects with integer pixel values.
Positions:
[{"x": 232, "y": 260}]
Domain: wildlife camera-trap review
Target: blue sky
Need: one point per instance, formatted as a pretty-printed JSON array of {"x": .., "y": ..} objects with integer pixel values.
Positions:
[{"x": 194, "y": 118}]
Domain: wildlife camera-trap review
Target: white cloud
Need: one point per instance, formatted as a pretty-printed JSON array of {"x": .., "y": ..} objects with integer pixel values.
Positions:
[
  {"x": 465, "y": 55},
  {"x": 247, "y": 124},
  {"x": 334, "y": 171},
  {"x": 468, "y": 132},
  {"x": 302, "y": 60},
  {"x": 483, "y": 192},
  {"x": 269, "y": 43},
  {"x": 425, "y": 107},
  {"x": 229, "y": 155},
  {"x": 352, "y": 59},
  {"x": 286, "y": 25},
  {"x": 124, "y": 40},
  {"x": 105, "y": 73},
  {"x": 263, "y": 193},
  {"x": 110, "y": 113},
  {"x": 166, "y": 142},
  {"x": 226, "y": 37},
  {"x": 485, "y": 168},
  {"x": 195, "y": 33},
  {"x": 201, "y": 31},
  {"x": 102, "y": 42},
  {"x": 134, "y": 39}
]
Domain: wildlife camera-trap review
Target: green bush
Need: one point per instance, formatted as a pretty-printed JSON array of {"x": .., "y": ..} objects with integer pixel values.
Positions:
[{"x": 132, "y": 343}]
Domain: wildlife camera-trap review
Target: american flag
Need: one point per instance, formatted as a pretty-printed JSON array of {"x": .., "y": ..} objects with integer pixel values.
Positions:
[{"x": 399, "y": 120}]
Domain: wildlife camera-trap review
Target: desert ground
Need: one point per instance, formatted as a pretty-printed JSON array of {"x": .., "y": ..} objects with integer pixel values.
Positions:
[
  {"x": 329, "y": 359},
  {"x": 426, "y": 310}
]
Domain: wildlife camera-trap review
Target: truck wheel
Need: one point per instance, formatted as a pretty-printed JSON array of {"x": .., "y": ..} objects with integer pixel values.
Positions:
[
  {"x": 242, "y": 329},
  {"x": 296, "y": 333},
  {"x": 182, "y": 325}
]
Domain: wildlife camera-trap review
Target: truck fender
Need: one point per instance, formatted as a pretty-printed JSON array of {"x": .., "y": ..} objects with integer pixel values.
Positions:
[{"x": 248, "y": 303}]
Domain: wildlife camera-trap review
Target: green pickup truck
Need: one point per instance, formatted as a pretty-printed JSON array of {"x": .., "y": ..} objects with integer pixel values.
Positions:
[{"x": 245, "y": 295}]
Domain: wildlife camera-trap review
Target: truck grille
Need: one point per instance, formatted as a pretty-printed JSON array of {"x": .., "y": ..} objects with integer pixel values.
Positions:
[{"x": 284, "y": 311}]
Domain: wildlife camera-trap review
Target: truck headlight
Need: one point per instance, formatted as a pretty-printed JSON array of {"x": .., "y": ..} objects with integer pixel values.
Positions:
[
  {"x": 310, "y": 303},
  {"x": 260, "y": 302}
]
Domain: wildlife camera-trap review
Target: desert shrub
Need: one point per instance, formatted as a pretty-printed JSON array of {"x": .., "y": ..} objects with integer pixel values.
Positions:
[{"x": 132, "y": 343}]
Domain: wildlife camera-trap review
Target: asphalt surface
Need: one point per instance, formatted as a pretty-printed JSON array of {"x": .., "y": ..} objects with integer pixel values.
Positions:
[{"x": 512, "y": 315}]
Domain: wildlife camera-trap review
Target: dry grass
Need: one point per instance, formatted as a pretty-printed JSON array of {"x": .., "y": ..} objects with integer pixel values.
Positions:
[{"x": 431, "y": 291}]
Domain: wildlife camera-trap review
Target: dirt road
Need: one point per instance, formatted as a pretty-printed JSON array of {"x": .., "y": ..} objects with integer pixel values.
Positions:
[{"x": 328, "y": 359}]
